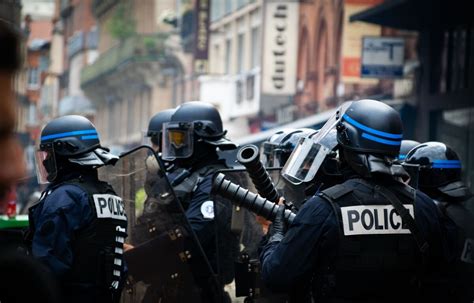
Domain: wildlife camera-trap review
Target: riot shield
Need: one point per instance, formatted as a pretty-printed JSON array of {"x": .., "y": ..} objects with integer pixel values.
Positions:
[
  {"x": 251, "y": 230},
  {"x": 164, "y": 259}
]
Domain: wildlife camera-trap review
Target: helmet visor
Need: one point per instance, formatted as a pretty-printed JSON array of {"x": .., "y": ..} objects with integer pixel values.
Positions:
[
  {"x": 46, "y": 170},
  {"x": 305, "y": 161},
  {"x": 177, "y": 140},
  {"x": 310, "y": 152}
]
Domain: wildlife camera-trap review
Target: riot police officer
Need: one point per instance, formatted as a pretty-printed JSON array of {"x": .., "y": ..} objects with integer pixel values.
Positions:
[
  {"x": 154, "y": 132},
  {"x": 79, "y": 226},
  {"x": 440, "y": 178},
  {"x": 356, "y": 241},
  {"x": 155, "y": 127},
  {"x": 191, "y": 139},
  {"x": 278, "y": 148}
]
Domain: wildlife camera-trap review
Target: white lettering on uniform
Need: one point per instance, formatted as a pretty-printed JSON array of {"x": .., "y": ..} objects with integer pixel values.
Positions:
[
  {"x": 468, "y": 251},
  {"x": 373, "y": 220},
  {"x": 207, "y": 210},
  {"x": 109, "y": 207},
  {"x": 118, "y": 250},
  {"x": 115, "y": 284}
]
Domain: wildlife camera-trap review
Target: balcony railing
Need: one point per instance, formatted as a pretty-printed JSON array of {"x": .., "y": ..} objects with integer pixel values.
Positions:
[{"x": 139, "y": 48}]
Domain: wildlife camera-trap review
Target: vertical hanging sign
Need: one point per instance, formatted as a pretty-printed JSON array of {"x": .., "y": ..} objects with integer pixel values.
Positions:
[
  {"x": 280, "y": 47},
  {"x": 201, "y": 41}
]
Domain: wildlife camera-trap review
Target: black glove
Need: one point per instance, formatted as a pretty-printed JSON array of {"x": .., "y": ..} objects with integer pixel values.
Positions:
[{"x": 279, "y": 225}]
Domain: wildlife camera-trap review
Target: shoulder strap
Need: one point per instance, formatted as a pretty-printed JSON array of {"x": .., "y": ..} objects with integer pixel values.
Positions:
[
  {"x": 406, "y": 217},
  {"x": 337, "y": 191},
  {"x": 401, "y": 210}
]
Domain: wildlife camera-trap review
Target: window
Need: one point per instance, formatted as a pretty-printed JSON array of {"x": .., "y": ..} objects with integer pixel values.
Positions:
[
  {"x": 33, "y": 78},
  {"x": 75, "y": 43},
  {"x": 256, "y": 49},
  {"x": 44, "y": 63},
  {"x": 454, "y": 59},
  {"x": 228, "y": 55},
  {"x": 93, "y": 38},
  {"x": 250, "y": 87},
  {"x": 239, "y": 91},
  {"x": 216, "y": 9},
  {"x": 240, "y": 53},
  {"x": 241, "y": 3},
  {"x": 228, "y": 7},
  {"x": 32, "y": 114},
  {"x": 255, "y": 38}
]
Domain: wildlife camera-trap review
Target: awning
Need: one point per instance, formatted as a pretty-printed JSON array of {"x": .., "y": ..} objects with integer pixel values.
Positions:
[
  {"x": 75, "y": 105},
  {"x": 416, "y": 14}
]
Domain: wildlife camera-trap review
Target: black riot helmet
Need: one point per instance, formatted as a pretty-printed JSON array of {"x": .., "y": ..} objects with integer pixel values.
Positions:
[
  {"x": 370, "y": 126},
  {"x": 69, "y": 140},
  {"x": 439, "y": 170},
  {"x": 155, "y": 126},
  {"x": 193, "y": 123},
  {"x": 278, "y": 148},
  {"x": 405, "y": 147},
  {"x": 369, "y": 135}
]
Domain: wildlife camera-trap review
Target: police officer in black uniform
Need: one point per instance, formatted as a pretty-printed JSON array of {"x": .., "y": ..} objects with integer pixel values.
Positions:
[
  {"x": 79, "y": 226},
  {"x": 356, "y": 241},
  {"x": 191, "y": 139},
  {"x": 154, "y": 182},
  {"x": 155, "y": 127},
  {"x": 440, "y": 178}
]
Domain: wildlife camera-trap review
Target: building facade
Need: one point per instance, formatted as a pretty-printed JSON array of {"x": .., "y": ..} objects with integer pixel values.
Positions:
[
  {"x": 133, "y": 76},
  {"x": 319, "y": 55},
  {"x": 444, "y": 74},
  {"x": 79, "y": 32},
  {"x": 235, "y": 55}
]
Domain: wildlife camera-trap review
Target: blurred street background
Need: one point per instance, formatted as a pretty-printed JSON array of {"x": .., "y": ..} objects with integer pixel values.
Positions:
[{"x": 265, "y": 64}]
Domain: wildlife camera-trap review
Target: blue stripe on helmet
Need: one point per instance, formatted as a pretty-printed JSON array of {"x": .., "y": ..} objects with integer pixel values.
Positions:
[
  {"x": 89, "y": 137},
  {"x": 446, "y": 164},
  {"x": 402, "y": 157},
  {"x": 371, "y": 130},
  {"x": 380, "y": 140},
  {"x": 67, "y": 134},
  {"x": 447, "y": 161}
]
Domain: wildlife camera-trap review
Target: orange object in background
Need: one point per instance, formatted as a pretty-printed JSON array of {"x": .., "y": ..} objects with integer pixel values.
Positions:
[
  {"x": 11, "y": 203},
  {"x": 8, "y": 203},
  {"x": 264, "y": 223}
]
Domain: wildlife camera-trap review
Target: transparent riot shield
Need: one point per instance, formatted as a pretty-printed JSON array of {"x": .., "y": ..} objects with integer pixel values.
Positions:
[
  {"x": 164, "y": 259},
  {"x": 251, "y": 229}
]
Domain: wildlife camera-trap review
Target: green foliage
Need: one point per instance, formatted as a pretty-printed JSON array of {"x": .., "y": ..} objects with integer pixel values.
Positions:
[
  {"x": 121, "y": 25},
  {"x": 149, "y": 42}
]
